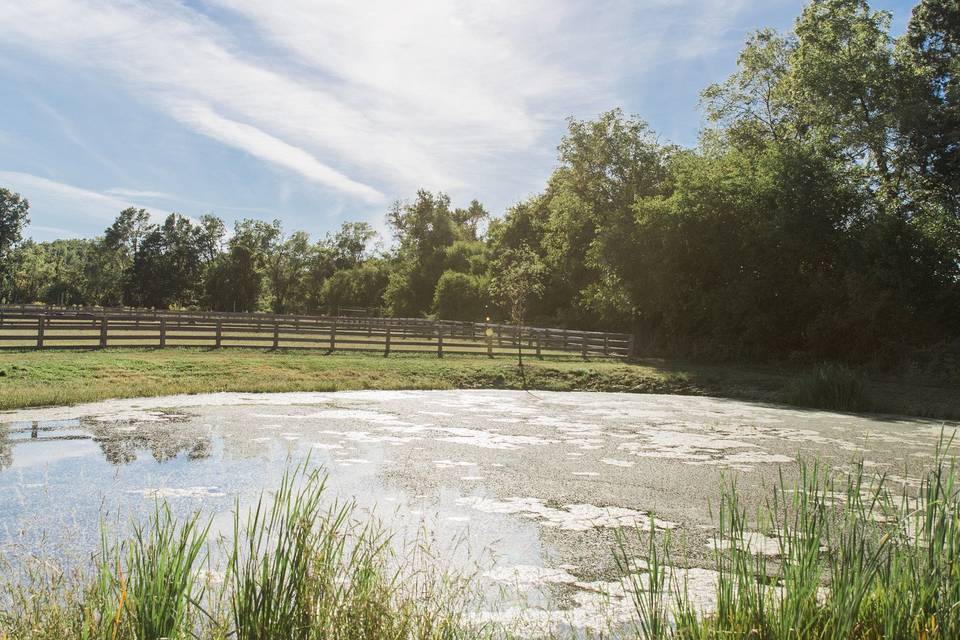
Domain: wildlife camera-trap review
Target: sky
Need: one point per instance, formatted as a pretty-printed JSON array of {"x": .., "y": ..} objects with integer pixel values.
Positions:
[{"x": 317, "y": 112}]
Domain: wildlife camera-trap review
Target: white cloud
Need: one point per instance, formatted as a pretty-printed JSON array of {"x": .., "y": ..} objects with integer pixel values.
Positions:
[
  {"x": 375, "y": 96},
  {"x": 272, "y": 149},
  {"x": 139, "y": 193},
  {"x": 56, "y": 202}
]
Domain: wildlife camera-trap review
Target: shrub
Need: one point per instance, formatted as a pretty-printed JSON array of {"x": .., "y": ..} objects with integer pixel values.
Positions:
[
  {"x": 460, "y": 296},
  {"x": 361, "y": 286},
  {"x": 831, "y": 386}
]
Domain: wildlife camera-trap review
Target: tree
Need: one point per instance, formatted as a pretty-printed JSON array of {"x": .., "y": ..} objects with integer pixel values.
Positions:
[
  {"x": 756, "y": 104},
  {"x": 424, "y": 228},
  {"x": 360, "y": 286},
  {"x": 471, "y": 219},
  {"x": 517, "y": 281},
  {"x": 460, "y": 296},
  {"x": 845, "y": 80},
  {"x": 287, "y": 264},
  {"x": 14, "y": 210},
  {"x": 930, "y": 120},
  {"x": 170, "y": 263},
  {"x": 111, "y": 258},
  {"x": 235, "y": 279},
  {"x": 605, "y": 165},
  {"x": 351, "y": 244}
]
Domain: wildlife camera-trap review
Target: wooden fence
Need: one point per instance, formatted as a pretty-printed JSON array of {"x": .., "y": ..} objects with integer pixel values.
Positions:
[{"x": 42, "y": 327}]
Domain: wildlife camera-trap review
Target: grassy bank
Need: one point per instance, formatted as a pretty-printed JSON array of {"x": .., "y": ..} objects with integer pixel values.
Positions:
[
  {"x": 32, "y": 378},
  {"x": 852, "y": 557}
]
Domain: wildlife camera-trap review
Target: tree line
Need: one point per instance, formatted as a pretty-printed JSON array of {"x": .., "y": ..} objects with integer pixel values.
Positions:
[{"x": 817, "y": 217}]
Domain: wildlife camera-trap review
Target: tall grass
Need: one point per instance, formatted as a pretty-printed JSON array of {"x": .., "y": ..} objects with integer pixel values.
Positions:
[
  {"x": 856, "y": 560},
  {"x": 294, "y": 569},
  {"x": 831, "y": 386}
]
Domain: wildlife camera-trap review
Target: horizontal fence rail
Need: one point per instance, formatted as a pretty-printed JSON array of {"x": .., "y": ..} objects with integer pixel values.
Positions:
[{"x": 43, "y": 327}]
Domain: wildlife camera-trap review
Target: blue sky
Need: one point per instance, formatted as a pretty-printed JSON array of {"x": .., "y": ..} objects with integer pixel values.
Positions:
[{"x": 317, "y": 112}]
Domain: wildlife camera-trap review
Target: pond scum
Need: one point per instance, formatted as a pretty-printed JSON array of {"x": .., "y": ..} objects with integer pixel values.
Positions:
[{"x": 851, "y": 559}]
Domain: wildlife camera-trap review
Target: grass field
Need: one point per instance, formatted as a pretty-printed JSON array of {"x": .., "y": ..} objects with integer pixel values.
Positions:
[{"x": 37, "y": 378}]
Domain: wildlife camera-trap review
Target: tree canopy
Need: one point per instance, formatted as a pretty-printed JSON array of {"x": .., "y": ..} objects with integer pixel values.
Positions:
[{"x": 818, "y": 217}]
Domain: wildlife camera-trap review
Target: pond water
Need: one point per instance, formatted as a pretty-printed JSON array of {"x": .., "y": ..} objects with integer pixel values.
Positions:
[{"x": 526, "y": 490}]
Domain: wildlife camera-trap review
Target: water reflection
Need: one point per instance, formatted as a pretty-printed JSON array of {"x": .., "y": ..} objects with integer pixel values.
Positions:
[
  {"x": 6, "y": 449},
  {"x": 119, "y": 442}
]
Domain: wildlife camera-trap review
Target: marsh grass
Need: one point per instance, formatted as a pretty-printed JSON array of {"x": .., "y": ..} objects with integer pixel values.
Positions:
[
  {"x": 831, "y": 386},
  {"x": 296, "y": 568},
  {"x": 855, "y": 557},
  {"x": 856, "y": 560}
]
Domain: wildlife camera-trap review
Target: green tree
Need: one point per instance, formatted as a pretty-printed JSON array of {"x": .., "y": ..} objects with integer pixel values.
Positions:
[
  {"x": 14, "y": 210},
  {"x": 471, "y": 219},
  {"x": 605, "y": 165},
  {"x": 516, "y": 283},
  {"x": 425, "y": 228},
  {"x": 170, "y": 264},
  {"x": 461, "y": 296},
  {"x": 845, "y": 79},
  {"x": 111, "y": 259},
  {"x": 351, "y": 244},
  {"x": 288, "y": 264},
  {"x": 359, "y": 286},
  {"x": 756, "y": 104},
  {"x": 930, "y": 120},
  {"x": 235, "y": 279}
]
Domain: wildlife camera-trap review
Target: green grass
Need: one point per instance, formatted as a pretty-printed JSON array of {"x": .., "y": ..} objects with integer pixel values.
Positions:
[{"x": 38, "y": 378}]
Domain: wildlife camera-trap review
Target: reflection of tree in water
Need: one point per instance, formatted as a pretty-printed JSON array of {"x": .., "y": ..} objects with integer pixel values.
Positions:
[
  {"x": 6, "y": 448},
  {"x": 165, "y": 440}
]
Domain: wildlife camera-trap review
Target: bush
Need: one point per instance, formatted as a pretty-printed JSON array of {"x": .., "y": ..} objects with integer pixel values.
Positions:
[
  {"x": 460, "y": 296},
  {"x": 831, "y": 386},
  {"x": 361, "y": 286}
]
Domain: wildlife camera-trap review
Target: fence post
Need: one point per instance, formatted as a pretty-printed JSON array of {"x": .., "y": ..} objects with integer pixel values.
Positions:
[
  {"x": 630, "y": 352},
  {"x": 386, "y": 350},
  {"x": 489, "y": 342},
  {"x": 40, "y": 332},
  {"x": 539, "y": 356},
  {"x": 219, "y": 333},
  {"x": 333, "y": 336},
  {"x": 103, "y": 332},
  {"x": 566, "y": 340},
  {"x": 606, "y": 345},
  {"x": 276, "y": 335},
  {"x": 163, "y": 332},
  {"x": 439, "y": 342},
  {"x": 583, "y": 345}
]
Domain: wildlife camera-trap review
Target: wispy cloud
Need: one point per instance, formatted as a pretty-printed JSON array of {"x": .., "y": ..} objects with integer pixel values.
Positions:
[
  {"x": 53, "y": 201},
  {"x": 270, "y": 148},
  {"x": 375, "y": 97},
  {"x": 139, "y": 193},
  {"x": 70, "y": 132}
]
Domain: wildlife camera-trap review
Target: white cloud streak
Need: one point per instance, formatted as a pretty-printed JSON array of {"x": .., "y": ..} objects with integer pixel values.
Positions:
[
  {"x": 373, "y": 97},
  {"x": 52, "y": 201},
  {"x": 272, "y": 149}
]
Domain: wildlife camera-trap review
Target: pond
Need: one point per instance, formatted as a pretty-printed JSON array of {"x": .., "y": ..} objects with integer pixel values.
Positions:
[{"x": 526, "y": 490}]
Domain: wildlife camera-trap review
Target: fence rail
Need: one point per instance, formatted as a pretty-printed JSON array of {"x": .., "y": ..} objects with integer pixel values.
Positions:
[{"x": 43, "y": 327}]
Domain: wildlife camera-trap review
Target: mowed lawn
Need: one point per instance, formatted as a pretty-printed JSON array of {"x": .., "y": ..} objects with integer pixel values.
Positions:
[{"x": 37, "y": 378}]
